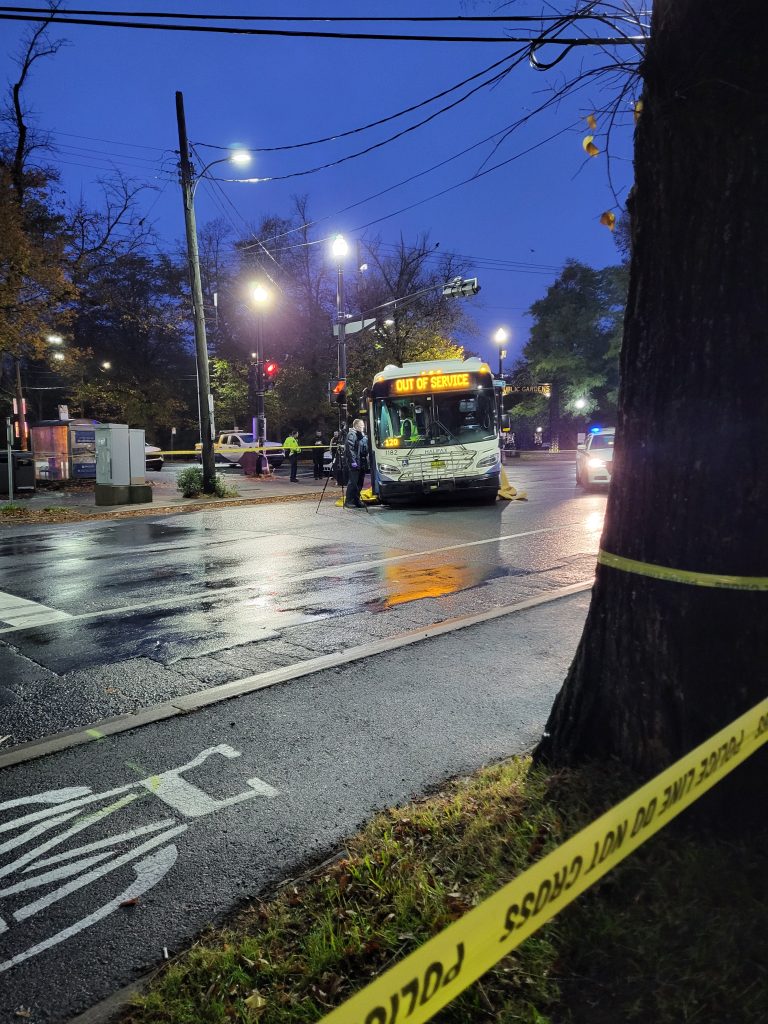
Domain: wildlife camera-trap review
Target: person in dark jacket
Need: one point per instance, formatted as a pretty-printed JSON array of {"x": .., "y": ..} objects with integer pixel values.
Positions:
[
  {"x": 318, "y": 450},
  {"x": 353, "y": 460},
  {"x": 365, "y": 460},
  {"x": 337, "y": 457}
]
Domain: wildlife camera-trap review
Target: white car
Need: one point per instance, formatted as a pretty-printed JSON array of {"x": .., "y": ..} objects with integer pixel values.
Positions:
[
  {"x": 229, "y": 448},
  {"x": 153, "y": 457},
  {"x": 594, "y": 458}
]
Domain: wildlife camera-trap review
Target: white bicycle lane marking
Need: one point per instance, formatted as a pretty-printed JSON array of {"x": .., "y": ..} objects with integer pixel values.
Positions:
[{"x": 34, "y": 835}]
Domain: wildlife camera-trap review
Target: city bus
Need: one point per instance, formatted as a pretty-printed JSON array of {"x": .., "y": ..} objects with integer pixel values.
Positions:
[{"x": 433, "y": 427}]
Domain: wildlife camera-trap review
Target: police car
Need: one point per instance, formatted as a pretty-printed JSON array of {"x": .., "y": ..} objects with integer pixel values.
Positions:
[{"x": 594, "y": 458}]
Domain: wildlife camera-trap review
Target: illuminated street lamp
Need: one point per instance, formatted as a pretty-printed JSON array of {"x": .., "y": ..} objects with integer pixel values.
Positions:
[
  {"x": 339, "y": 248},
  {"x": 59, "y": 357},
  {"x": 500, "y": 338},
  {"x": 106, "y": 365},
  {"x": 580, "y": 404},
  {"x": 260, "y": 296},
  {"x": 55, "y": 339}
]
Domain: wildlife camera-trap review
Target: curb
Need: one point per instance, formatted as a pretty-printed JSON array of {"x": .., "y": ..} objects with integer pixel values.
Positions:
[{"x": 73, "y": 516}]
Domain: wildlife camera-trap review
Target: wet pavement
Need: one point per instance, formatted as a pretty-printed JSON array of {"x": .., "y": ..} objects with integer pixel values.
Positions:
[
  {"x": 99, "y": 619},
  {"x": 119, "y": 851}
]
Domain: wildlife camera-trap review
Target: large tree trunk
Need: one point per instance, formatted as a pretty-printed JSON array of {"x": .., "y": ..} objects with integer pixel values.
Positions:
[{"x": 662, "y": 665}]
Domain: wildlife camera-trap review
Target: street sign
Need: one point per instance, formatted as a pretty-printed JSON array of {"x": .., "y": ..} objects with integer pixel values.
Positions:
[
  {"x": 458, "y": 287},
  {"x": 528, "y": 389},
  {"x": 354, "y": 326}
]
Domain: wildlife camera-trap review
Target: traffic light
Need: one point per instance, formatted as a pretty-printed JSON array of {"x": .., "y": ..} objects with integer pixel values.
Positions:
[
  {"x": 270, "y": 372},
  {"x": 337, "y": 391},
  {"x": 457, "y": 287}
]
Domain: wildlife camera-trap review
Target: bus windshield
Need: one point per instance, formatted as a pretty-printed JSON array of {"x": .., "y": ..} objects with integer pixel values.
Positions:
[{"x": 434, "y": 419}]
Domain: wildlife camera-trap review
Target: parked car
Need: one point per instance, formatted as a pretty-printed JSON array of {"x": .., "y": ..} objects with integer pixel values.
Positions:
[
  {"x": 153, "y": 457},
  {"x": 229, "y": 448},
  {"x": 594, "y": 458}
]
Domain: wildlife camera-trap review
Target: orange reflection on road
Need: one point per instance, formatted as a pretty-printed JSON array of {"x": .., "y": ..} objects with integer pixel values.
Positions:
[{"x": 412, "y": 582}]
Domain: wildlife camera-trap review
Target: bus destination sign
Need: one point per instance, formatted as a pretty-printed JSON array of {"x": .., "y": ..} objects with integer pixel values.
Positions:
[{"x": 431, "y": 382}]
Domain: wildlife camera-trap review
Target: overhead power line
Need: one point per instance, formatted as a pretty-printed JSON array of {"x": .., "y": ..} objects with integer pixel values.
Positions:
[
  {"x": 371, "y": 124},
  {"x": 184, "y": 16},
  {"x": 109, "y": 142},
  {"x": 511, "y": 62},
  {"x": 107, "y": 22}
]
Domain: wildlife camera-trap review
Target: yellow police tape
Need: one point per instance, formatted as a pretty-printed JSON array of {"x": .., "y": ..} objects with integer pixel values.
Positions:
[
  {"x": 432, "y": 976},
  {"x": 697, "y": 579},
  {"x": 237, "y": 448}
]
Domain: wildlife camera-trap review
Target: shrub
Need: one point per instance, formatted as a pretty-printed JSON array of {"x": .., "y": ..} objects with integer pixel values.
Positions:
[{"x": 190, "y": 483}]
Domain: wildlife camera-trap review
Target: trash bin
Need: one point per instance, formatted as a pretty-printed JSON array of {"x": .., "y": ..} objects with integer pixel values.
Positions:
[{"x": 23, "y": 467}]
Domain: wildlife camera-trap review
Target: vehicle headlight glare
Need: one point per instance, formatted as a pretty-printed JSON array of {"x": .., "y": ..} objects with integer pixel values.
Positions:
[{"x": 596, "y": 464}]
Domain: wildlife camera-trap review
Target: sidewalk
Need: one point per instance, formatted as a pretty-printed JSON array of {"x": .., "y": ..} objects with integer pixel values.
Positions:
[{"x": 165, "y": 494}]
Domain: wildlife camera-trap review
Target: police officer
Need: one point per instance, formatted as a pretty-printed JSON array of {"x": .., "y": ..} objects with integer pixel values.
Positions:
[
  {"x": 353, "y": 457},
  {"x": 292, "y": 449}
]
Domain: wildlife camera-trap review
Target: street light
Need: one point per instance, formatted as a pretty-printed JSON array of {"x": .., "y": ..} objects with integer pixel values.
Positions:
[
  {"x": 106, "y": 365},
  {"x": 188, "y": 186},
  {"x": 580, "y": 404},
  {"x": 260, "y": 296},
  {"x": 59, "y": 357},
  {"x": 500, "y": 338},
  {"x": 339, "y": 248},
  {"x": 55, "y": 339}
]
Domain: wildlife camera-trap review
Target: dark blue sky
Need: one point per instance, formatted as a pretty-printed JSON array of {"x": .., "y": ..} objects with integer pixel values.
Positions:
[{"x": 119, "y": 85}]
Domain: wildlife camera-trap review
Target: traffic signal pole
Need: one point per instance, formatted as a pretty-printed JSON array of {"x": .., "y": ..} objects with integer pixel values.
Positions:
[
  {"x": 261, "y": 420},
  {"x": 201, "y": 347},
  {"x": 342, "y": 360}
]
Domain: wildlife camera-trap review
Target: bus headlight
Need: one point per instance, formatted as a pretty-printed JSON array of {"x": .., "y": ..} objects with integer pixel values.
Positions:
[
  {"x": 387, "y": 467},
  {"x": 489, "y": 460}
]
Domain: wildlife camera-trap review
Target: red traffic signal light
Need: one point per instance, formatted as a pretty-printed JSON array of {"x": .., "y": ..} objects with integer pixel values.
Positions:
[{"x": 271, "y": 369}]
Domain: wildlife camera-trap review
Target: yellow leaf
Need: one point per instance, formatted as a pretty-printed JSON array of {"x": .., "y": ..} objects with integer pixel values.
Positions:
[
  {"x": 588, "y": 146},
  {"x": 638, "y": 110},
  {"x": 592, "y": 123},
  {"x": 609, "y": 219},
  {"x": 255, "y": 1001}
]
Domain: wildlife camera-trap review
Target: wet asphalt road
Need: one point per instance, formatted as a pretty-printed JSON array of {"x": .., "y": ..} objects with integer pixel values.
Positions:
[
  {"x": 137, "y": 612},
  {"x": 194, "y": 814}
]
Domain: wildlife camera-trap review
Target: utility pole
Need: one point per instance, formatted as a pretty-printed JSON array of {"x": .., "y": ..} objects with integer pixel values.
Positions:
[
  {"x": 205, "y": 399},
  {"x": 340, "y": 250},
  {"x": 20, "y": 410}
]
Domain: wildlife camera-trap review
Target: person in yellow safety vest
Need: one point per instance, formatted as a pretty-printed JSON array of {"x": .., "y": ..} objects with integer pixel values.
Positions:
[{"x": 292, "y": 449}]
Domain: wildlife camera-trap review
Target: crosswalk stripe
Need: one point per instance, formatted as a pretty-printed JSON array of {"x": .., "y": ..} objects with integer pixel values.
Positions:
[{"x": 17, "y": 611}]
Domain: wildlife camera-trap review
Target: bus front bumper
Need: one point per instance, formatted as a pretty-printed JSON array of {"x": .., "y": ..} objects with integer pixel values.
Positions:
[{"x": 418, "y": 488}]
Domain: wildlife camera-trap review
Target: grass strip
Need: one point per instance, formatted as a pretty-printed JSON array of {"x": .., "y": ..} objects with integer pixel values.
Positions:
[
  {"x": 675, "y": 935},
  {"x": 12, "y": 514}
]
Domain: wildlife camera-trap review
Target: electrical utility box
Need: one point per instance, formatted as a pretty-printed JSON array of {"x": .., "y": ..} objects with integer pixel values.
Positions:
[
  {"x": 120, "y": 466},
  {"x": 113, "y": 463}
]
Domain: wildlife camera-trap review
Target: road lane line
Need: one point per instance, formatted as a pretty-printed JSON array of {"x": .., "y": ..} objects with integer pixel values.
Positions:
[
  {"x": 347, "y": 568},
  {"x": 240, "y": 687},
  {"x": 20, "y": 613}
]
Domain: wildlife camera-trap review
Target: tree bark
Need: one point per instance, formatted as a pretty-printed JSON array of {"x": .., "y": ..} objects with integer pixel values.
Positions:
[{"x": 663, "y": 665}]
